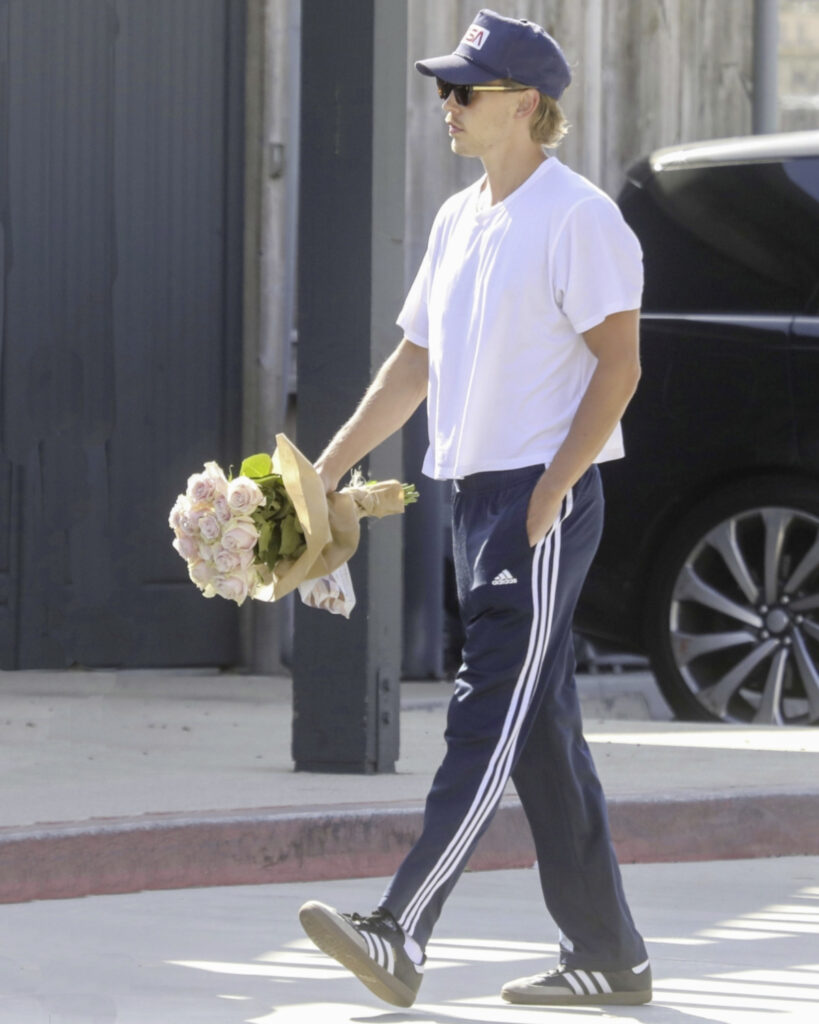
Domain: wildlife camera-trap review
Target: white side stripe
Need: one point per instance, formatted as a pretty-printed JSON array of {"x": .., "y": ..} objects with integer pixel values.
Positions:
[
  {"x": 575, "y": 984},
  {"x": 586, "y": 982},
  {"x": 600, "y": 978},
  {"x": 544, "y": 583},
  {"x": 494, "y": 779},
  {"x": 500, "y": 765},
  {"x": 373, "y": 948}
]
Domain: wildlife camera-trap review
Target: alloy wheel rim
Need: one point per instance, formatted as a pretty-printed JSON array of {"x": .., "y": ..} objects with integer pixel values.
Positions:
[{"x": 744, "y": 618}]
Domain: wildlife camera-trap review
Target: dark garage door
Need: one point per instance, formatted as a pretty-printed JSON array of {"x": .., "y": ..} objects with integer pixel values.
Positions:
[{"x": 121, "y": 154}]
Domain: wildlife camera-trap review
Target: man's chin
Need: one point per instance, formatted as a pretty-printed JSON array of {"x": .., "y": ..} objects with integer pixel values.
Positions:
[{"x": 458, "y": 145}]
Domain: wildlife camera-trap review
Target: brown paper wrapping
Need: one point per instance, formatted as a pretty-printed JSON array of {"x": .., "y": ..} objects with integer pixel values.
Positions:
[{"x": 330, "y": 521}]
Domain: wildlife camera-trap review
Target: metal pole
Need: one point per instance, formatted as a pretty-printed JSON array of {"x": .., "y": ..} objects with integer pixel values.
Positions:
[
  {"x": 292, "y": 204},
  {"x": 351, "y": 281},
  {"x": 765, "y": 116},
  {"x": 424, "y": 538}
]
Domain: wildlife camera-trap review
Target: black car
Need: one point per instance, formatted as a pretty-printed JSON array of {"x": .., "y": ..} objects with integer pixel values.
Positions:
[{"x": 709, "y": 560}]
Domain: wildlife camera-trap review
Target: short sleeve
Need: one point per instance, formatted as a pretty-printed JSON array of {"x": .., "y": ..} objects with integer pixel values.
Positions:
[
  {"x": 414, "y": 318},
  {"x": 597, "y": 264}
]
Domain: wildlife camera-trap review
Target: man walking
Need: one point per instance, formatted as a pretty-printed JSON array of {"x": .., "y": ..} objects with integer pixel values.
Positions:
[{"x": 521, "y": 329}]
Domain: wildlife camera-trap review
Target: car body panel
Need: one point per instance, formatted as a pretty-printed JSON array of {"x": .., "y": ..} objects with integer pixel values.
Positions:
[
  {"x": 729, "y": 348},
  {"x": 805, "y": 357}
]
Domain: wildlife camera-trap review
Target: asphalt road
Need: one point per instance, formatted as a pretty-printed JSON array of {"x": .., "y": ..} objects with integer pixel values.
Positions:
[{"x": 731, "y": 942}]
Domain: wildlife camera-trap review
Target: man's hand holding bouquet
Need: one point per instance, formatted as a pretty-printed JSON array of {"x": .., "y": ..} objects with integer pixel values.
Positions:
[{"x": 273, "y": 528}]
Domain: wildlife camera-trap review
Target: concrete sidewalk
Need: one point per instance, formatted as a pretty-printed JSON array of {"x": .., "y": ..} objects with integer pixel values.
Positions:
[
  {"x": 731, "y": 942},
  {"x": 115, "y": 782}
]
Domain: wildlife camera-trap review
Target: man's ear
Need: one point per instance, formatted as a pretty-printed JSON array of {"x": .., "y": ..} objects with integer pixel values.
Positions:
[{"x": 528, "y": 103}]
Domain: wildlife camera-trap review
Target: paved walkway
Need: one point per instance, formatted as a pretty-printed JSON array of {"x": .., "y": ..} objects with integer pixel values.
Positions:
[
  {"x": 731, "y": 942},
  {"x": 116, "y": 782}
]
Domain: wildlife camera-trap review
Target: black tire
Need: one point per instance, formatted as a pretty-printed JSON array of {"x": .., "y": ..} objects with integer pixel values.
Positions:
[{"x": 731, "y": 618}]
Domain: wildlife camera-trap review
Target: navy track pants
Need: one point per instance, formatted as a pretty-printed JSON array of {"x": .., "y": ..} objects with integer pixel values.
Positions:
[{"x": 515, "y": 713}]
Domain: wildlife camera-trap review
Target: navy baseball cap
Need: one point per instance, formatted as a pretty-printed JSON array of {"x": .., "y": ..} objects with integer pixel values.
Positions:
[{"x": 499, "y": 47}]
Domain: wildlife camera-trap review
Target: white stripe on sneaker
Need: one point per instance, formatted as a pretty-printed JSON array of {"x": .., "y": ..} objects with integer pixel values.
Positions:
[
  {"x": 600, "y": 978},
  {"x": 372, "y": 947},
  {"x": 544, "y": 580},
  {"x": 576, "y": 987},
  {"x": 586, "y": 982},
  {"x": 383, "y": 955}
]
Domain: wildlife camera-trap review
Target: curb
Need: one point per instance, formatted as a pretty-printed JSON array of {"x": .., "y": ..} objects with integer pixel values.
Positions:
[{"x": 173, "y": 851}]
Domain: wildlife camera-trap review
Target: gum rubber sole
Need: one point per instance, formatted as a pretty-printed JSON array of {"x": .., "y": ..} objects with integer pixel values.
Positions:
[
  {"x": 572, "y": 999},
  {"x": 332, "y": 938}
]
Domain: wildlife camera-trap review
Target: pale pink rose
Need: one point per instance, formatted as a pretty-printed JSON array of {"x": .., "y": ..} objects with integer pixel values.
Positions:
[
  {"x": 226, "y": 561},
  {"x": 195, "y": 513},
  {"x": 213, "y": 471},
  {"x": 246, "y": 558},
  {"x": 206, "y": 551},
  {"x": 240, "y": 536},
  {"x": 244, "y": 496},
  {"x": 233, "y": 587},
  {"x": 202, "y": 573},
  {"x": 221, "y": 509},
  {"x": 186, "y": 546},
  {"x": 183, "y": 518},
  {"x": 209, "y": 527},
  {"x": 189, "y": 525},
  {"x": 200, "y": 488},
  {"x": 181, "y": 508},
  {"x": 204, "y": 487}
]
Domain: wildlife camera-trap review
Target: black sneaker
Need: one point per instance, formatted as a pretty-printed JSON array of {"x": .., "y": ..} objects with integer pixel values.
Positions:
[
  {"x": 572, "y": 986},
  {"x": 371, "y": 947}
]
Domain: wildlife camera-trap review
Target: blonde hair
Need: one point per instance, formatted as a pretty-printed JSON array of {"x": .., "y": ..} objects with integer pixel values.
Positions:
[{"x": 548, "y": 125}]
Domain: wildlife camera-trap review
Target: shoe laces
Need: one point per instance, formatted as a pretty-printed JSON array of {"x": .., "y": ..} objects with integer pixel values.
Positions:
[
  {"x": 553, "y": 972},
  {"x": 379, "y": 921}
]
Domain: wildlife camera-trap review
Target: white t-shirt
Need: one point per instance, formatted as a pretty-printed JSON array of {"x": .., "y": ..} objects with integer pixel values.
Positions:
[{"x": 501, "y": 300}]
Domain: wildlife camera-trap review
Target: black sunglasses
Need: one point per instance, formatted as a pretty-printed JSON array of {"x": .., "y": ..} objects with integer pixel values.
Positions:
[{"x": 463, "y": 93}]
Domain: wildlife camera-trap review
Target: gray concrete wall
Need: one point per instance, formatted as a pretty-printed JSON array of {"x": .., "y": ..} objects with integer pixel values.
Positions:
[{"x": 798, "y": 65}]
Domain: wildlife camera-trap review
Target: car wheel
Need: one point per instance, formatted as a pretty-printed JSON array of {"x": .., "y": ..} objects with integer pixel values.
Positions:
[{"x": 732, "y": 619}]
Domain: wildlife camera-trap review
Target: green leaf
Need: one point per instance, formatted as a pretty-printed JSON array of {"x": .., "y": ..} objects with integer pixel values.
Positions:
[
  {"x": 265, "y": 538},
  {"x": 273, "y": 553},
  {"x": 270, "y": 484},
  {"x": 256, "y": 466},
  {"x": 292, "y": 536}
]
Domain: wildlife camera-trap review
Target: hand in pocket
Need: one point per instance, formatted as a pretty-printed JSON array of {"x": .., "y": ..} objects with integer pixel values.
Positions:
[{"x": 542, "y": 513}]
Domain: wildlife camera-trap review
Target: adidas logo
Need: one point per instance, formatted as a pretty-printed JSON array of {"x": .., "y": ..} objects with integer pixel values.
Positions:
[
  {"x": 503, "y": 577},
  {"x": 462, "y": 689}
]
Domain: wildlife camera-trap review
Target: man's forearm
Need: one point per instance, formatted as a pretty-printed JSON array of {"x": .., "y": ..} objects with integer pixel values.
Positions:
[
  {"x": 616, "y": 345},
  {"x": 597, "y": 415},
  {"x": 398, "y": 389},
  {"x": 600, "y": 409}
]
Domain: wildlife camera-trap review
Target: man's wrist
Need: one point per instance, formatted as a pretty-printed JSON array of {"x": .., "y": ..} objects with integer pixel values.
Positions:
[
  {"x": 330, "y": 476},
  {"x": 550, "y": 487}
]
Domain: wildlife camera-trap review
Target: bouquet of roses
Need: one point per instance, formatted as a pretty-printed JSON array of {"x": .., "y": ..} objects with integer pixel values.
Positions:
[{"x": 272, "y": 528}]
